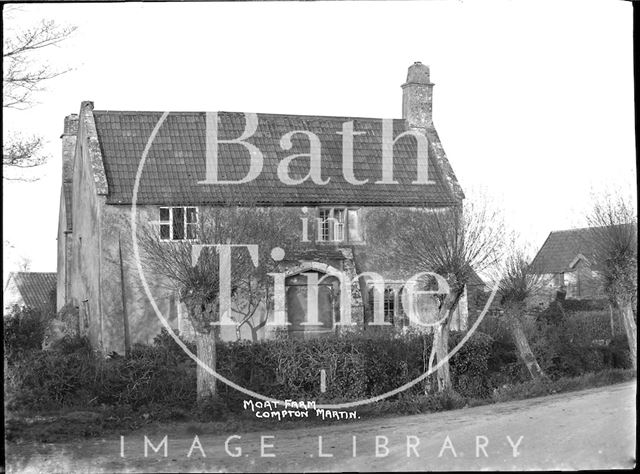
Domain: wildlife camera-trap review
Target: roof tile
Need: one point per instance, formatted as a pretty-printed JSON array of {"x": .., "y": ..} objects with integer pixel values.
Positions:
[
  {"x": 36, "y": 288},
  {"x": 176, "y": 161}
]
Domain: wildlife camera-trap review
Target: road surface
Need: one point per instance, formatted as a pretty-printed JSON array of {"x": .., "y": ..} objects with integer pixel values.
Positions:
[{"x": 591, "y": 429}]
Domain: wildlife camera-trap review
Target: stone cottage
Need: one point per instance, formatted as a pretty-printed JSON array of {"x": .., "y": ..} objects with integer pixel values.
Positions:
[
  {"x": 569, "y": 267},
  {"x": 338, "y": 192}
]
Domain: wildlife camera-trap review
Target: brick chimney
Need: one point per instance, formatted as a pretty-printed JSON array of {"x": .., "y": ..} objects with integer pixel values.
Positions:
[
  {"x": 68, "y": 146},
  {"x": 417, "y": 96}
]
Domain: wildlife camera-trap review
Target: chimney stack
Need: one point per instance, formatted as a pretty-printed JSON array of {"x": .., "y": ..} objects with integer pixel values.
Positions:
[
  {"x": 417, "y": 97},
  {"x": 69, "y": 146}
]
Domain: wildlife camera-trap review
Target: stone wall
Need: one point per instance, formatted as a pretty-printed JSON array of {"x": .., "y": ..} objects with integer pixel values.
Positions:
[
  {"x": 84, "y": 247},
  {"x": 583, "y": 283},
  {"x": 143, "y": 321}
]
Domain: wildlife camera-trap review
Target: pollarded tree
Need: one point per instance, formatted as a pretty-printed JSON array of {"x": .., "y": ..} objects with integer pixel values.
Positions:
[
  {"x": 452, "y": 242},
  {"x": 613, "y": 234},
  {"x": 194, "y": 268},
  {"x": 516, "y": 285}
]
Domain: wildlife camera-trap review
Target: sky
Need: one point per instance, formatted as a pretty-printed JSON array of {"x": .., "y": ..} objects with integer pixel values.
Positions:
[{"x": 533, "y": 100}]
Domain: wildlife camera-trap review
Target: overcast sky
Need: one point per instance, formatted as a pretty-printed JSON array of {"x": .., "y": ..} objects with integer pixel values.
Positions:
[{"x": 533, "y": 100}]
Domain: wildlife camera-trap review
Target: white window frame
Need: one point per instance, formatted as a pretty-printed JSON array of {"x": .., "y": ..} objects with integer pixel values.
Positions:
[
  {"x": 320, "y": 221},
  {"x": 392, "y": 311},
  {"x": 334, "y": 225},
  {"x": 184, "y": 223}
]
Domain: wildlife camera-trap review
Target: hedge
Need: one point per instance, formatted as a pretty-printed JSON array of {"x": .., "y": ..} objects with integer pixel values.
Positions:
[
  {"x": 357, "y": 367},
  {"x": 162, "y": 377}
]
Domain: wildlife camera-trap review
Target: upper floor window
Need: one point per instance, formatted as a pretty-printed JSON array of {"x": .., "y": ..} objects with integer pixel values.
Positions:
[
  {"x": 339, "y": 224},
  {"x": 178, "y": 223}
]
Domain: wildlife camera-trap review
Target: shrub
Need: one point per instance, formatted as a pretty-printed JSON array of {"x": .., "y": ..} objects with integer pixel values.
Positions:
[
  {"x": 588, "y": 326},
  {"x": 162, "y": 375},
  {"x": 65, "y": 324},
  {"x": 160, "y": 380},
  {"x": 45, "y": 380},
  {"x": 573, "y": 305},
  {"x": 23, "y": 330},
  {"x": 356, "y": 366},
  {"x": 617, "y": 353},
  {"x": 566, "y": 349}
]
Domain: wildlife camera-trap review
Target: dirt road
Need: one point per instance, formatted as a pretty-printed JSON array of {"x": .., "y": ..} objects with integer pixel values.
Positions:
[{"x": 589, "y": 429}]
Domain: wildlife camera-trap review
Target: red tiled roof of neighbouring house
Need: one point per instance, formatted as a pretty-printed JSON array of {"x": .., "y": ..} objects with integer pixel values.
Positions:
[
  {"x": 562, "y": 247},
  {"x": 36, "y": 288},
  {"x": 176, "y": 161}
]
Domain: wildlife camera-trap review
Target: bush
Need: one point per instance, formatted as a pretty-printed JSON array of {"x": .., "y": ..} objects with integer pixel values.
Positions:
[
  {"x": 588, "y": 326},
  {"x": 618, "y": 354},
  {"x": 567, "y": 348},
  {"x": 23, "y": 330},
  {"x": 160, "y": 380},
  {"x": 357, "y": 367},
  {"x": 43, "y": 380},
  {"x": 162, "y": 375},
  {"x": 573, "y": 305}
]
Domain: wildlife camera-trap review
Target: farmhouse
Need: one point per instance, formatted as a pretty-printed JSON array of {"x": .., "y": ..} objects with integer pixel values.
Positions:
[
  {"x": 567, "y": 259},
  {"x": 194, "y": 161}
]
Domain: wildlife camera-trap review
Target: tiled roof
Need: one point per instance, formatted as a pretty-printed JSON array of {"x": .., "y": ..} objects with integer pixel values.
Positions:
[
  {"x": 475, "y": 280},
  {"x": 176, "y": 161},
  {"x": 35, "y": 288},
  {"x": 561, "y": 249}
]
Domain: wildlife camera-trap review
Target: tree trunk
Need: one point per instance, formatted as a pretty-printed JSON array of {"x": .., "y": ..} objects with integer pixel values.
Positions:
[
  {"x": 611, "y": 321},
  {"x": 441, "y": 338},
  {"x": 441, "y": 345},
  {"x": 201, "y": 314},
  {"x": 526, "y": 354},
  {"x": 206, "y": 348},
  {"x": 631, "y": 330}
]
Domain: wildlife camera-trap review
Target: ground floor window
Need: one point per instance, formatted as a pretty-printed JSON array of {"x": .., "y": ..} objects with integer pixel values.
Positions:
[{"x": 391, "y": 303}]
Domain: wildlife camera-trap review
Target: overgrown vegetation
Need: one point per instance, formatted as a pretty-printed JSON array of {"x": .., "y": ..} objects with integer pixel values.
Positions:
[
  {"x": 162, "y": 374},
  {"x": 24, "y": 329},
  {"x": 158, "y": 382}
]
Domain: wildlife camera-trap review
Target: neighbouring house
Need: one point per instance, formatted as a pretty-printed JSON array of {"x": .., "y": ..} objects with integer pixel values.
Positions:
[
  {"x": 102, "y": 151},
  {"x": 569, "y": 266},
  {"x": 36, "y": 290}
]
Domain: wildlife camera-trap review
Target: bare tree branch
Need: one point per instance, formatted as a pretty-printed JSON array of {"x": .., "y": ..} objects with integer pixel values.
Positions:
[
  {"x": 453, "y": 242},
  {"x": 22, "y": 78},
  {"x": 613, "y": 234}
]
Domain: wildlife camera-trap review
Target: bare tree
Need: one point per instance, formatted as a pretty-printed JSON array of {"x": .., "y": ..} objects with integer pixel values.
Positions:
[
  {"x": 252, "y": 302},
  {"x": 253, "y": 297},
  {"x": 198, "y": 282},
  {"x": 516, "y": 285},
  {"x": 452, "y": 242},
  {"x": 23, "y": 77},
  {"x": 614, "y": 237}
]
